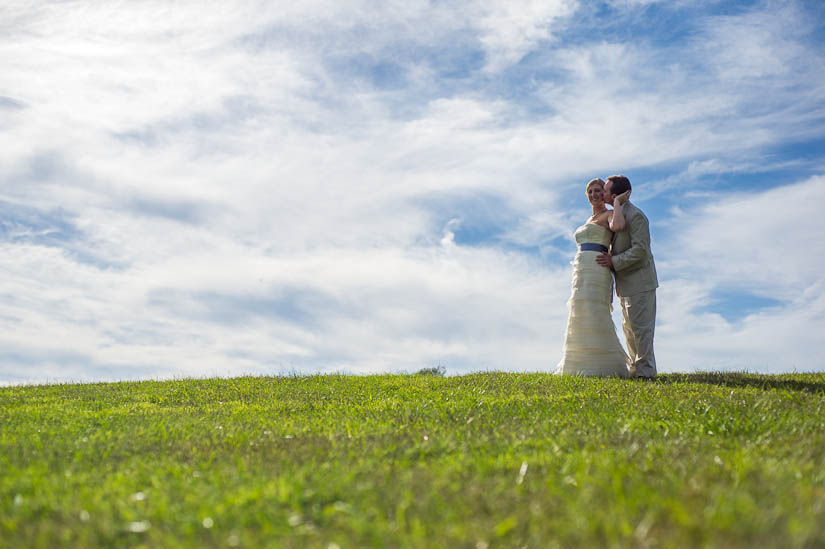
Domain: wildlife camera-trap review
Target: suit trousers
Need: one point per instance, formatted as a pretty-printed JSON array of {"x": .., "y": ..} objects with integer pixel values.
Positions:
[{"x": 638, "y": 323}]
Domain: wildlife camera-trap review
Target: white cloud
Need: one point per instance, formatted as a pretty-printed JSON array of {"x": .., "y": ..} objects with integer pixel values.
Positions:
[
  {"x": 338, "y": 310},
  {"x": 759, "y": 243},
  {"x": 755, "y": 45},
  {"x": 510, "y": 29}
]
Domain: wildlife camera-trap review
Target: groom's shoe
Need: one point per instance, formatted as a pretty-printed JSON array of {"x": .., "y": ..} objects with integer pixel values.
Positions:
[{"x": 644, "y": 378}]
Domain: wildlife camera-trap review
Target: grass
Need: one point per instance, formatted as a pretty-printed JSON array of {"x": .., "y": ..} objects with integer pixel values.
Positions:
[{"x": 483, "y": 460}]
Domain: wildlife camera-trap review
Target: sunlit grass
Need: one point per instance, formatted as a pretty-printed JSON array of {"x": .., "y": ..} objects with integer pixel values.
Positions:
[{"x": 491, "y": 459}]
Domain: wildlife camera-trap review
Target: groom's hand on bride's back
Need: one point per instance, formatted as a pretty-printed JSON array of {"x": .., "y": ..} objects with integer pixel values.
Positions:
[{"x": 605, "y": 260}]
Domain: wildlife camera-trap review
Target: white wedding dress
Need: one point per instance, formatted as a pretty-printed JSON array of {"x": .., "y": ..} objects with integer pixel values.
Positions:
[{"x": 591, "y": 346}]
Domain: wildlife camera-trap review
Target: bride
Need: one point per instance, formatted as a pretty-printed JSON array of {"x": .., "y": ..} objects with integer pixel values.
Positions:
[{"x": 591, "y": 347}]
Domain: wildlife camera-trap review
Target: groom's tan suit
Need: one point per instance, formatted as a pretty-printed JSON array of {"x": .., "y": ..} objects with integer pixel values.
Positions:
[{"x": 636, "y": 285}]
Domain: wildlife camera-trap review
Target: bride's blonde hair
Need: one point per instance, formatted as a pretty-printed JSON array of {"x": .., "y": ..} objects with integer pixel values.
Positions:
[{"x": 597, "y": 181}]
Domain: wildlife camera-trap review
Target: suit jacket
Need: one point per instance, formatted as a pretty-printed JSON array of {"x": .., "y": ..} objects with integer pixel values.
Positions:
[{"x": 632, "y": 259}]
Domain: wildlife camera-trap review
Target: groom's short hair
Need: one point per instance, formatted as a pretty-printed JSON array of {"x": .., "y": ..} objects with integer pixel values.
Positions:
[{"x": 620, "y": 184}]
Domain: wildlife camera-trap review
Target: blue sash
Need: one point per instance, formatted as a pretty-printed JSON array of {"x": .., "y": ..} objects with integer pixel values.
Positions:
[{"x": 592, "y": 247}]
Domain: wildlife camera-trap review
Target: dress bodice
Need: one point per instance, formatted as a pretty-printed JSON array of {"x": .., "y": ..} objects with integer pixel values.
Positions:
[{"x": 590, "y": 232}]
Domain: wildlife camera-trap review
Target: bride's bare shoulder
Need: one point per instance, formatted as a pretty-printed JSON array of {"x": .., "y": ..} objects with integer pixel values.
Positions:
[{"x": 603, "y": 219}]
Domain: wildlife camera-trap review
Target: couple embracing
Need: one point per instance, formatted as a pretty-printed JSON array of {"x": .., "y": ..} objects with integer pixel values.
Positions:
[{"x": 612, "y": 243}]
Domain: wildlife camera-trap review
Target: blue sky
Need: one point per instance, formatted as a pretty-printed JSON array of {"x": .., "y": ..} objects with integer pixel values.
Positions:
[{"x": 354, "y": 186}]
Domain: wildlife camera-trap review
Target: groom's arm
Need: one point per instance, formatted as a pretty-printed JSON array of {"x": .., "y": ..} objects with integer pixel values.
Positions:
[{"x": 639, "y": 250}]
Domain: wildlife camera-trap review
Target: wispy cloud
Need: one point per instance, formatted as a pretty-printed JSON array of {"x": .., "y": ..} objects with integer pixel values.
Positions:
[
  {"x": 757, "y": 244},
  {"x": 760, "y": 242}
]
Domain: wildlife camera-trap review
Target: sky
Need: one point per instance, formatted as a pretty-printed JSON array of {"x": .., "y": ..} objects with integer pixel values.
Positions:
[{"x": 201, "y": 189}]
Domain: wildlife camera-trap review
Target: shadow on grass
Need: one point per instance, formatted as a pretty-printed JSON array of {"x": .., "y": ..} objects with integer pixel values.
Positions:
[{"x": 809, "y": 383}]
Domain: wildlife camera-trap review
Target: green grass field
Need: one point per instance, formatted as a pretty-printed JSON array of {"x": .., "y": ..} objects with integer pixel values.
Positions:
[{"x": 483, "y": 460}]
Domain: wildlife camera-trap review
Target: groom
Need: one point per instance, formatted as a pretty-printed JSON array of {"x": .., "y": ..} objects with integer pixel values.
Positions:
[{"x": 632, "y": 263}]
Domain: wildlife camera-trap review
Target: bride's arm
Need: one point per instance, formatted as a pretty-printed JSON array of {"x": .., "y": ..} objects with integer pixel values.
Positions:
[{"x": 617, "y": 221}]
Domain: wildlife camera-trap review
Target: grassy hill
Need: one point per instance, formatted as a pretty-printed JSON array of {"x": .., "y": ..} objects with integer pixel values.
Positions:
[{"x": 484, "y": 460}]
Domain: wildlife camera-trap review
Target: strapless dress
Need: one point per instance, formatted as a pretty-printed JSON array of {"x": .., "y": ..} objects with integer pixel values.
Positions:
[{"x": 591, "y": 346}]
